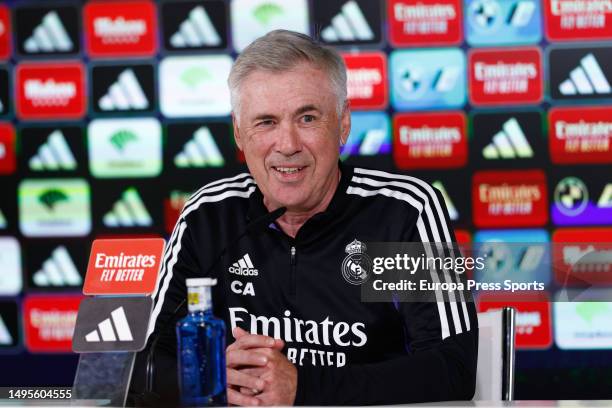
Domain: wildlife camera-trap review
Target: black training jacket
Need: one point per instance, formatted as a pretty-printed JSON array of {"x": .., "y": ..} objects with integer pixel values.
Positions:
[{"x": 346, "y": 351}]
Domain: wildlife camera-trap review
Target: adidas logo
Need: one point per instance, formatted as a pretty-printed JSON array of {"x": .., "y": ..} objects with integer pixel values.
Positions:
[
  {"x": 196, "y": 31},
  {"x": 605, "y": 200},
  {"x": 111, "y": 329},
  {"x": 509, "y": 143},
  {"x": 200, "y": 151},
  {"x": 5, "y": 336},
  {"x": 243, "y": 267},
  {"x": 119, "y": 30},
  {"x": 54, "y": 154},
  {"x": 452, "y": 211},
  {"x": 49, "y": 92},
  {"x": 586, "y": 79},
  {"x": 124, "y": 94},
  {"x": 3, "y": 223},
  {"x": 129, "y": 211},
  {"x": 348, "y": 25},
  {"x": 59, "y": 270},
  {"x": 49, "y": 36}
]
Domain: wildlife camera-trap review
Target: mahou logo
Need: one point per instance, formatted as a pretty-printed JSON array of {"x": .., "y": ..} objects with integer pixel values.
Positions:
[
  {"x": 509, "y": 198},
  {"x": 426, "y": 22},
  {"x": 429, "y": 140},
  {"x": 120, "y": 29},
  {"x": 51, "y": 91},
  {"x": 578, "y": 19},
  {"x": 367, "y": 80},
  {"x": 505, "y": 76},
  {"x": 580, "y": 135}
]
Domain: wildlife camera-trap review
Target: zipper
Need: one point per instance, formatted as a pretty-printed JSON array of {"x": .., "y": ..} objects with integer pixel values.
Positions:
[{"x": 293, "y": 277}]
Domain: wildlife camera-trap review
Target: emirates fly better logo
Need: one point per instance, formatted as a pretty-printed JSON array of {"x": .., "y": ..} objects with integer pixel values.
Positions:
[
  {"x": 505, "y": 76},
  {"x": 509, "y": 198},
  {"x": 426, "y": 22},
  {"x": 578, "y": 19},
  {"x": 367, "y": 80}
]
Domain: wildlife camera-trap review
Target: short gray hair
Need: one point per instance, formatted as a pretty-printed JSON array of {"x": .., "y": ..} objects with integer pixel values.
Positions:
[{"x": 281, "y": 50}]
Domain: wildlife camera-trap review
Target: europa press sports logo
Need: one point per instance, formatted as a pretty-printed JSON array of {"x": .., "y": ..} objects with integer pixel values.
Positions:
[
  {"x": 494, "y": 22},
  {"x": 427, "y": 22},
  {"x": 50, "y": 90},
  {"x": 428, "y": 79},
  {"x": 128, "y": 28},
  {"x": 578, "y": 19},
  {"x": 509, "y": 198},
  {"x": 505, "y": 76},
  {"x": 429, "y": 140},
  {"x": 367, "y": 80},
  {"x": 580, "y": 135}
]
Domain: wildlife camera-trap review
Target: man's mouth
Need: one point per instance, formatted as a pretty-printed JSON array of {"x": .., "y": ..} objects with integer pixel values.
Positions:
[{"x": 287, "y": 170}]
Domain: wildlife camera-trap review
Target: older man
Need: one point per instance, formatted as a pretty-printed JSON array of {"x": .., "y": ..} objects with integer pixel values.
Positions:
[{"x": 301, "y": 333}]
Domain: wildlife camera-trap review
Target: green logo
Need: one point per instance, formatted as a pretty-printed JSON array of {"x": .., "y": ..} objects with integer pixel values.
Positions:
[
  {"x": 51, "y": 197},
  {"x": 194, "y": 76},
  {"x": 121, "y": 138},
  {"x": 266, "y": 12},
  {"x": 589, "y": 310}
]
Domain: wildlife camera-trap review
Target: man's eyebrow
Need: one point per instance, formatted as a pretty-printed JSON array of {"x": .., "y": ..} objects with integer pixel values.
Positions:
[
  {"x": 264, "y": 116},
  {"x": 306, "y": 108}
]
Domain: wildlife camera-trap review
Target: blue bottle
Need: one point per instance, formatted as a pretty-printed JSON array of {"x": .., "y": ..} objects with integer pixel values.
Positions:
[{"x": 201, "y": 349}]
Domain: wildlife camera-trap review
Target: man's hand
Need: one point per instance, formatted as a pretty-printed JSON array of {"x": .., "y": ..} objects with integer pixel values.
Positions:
[{"x": 258, "y": 373}]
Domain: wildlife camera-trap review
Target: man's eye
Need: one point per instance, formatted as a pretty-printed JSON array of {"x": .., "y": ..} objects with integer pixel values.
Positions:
[
  {"x": 267, "y": 122},
  {"x": 308, "y": 118}
]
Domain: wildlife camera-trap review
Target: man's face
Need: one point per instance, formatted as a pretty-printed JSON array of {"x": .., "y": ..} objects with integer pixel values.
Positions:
[{"x": 290, "y": 133}]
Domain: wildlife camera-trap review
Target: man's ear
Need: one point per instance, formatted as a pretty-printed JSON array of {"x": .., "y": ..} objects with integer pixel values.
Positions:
[
  {"x": 345, "y": 123},
  {"x": 236, "y": 131}
]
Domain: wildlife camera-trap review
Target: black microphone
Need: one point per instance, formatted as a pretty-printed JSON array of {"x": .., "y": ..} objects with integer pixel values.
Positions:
[{"x": 259, "y": 223}]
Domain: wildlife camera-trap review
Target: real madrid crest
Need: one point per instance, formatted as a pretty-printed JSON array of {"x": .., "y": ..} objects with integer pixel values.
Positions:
[{"x": 356, "y": 266}]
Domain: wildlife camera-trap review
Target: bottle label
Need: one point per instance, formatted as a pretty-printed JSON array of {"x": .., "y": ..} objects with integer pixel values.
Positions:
[{"x": 199, "y": 299}]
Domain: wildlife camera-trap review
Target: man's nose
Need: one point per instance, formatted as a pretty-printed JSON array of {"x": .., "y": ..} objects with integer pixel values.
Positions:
[{"x": 288, "y": 142}]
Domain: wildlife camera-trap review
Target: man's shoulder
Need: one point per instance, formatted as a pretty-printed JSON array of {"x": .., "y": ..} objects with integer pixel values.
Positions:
[
  {"x": 219, "y": 193},
  {"x": 393, "y": 188}
]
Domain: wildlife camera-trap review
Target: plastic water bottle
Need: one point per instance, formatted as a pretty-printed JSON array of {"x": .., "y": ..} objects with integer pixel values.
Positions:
[{"x": 201, "y": 349}]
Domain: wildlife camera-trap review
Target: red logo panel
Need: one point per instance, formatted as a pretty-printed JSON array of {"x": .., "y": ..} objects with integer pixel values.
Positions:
[
  {"x": 127, "y": 28},
  {"x": 49, "y": 322},
  {"x": 51, "y": 91},
  {"x": 5, "y": 32},
  {"x": 367, "y": 80},
  {"x": 533, "y": 317},
  {"x": 426, "y": 22},
  {"x": 8, "y": 162},
  {"x": 579, "y": 256},
  {"x": 123, "y": 266},
  {"x": 578, "y": 19},
  {"x": 505, "y": 76},
  {"x": 429, "y": 140},
  {"x": 509, "y": 198},
  {"x": 580, "y": 135}
]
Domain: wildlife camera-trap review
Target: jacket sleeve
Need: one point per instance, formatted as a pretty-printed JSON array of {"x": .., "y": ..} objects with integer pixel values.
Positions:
[
  {"x": 442, "y": 347},
  {"x": 178, "y": 263}
]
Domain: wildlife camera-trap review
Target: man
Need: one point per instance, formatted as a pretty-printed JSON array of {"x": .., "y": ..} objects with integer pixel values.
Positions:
[{"x": 300, "y": 332}]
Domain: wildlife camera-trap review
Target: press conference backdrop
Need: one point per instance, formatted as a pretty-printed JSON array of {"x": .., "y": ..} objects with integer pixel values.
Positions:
[{"x": 112, "y": 113}]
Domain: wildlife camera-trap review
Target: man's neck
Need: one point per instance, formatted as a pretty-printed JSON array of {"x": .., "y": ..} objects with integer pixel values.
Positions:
[{"x": 291, "y": 221}]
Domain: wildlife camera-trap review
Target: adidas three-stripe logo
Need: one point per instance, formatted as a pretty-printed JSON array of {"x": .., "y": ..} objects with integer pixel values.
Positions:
[
  {"x": 196, "y": 31},
  {"x": 54, "y": 154},
  {"x": 58, "y": 270},
  {"x": 49, "y": 36},
  {"x": 348, "y": 25},
  {"x": 586, "y": 79},
  {"x": 509, "y": 143},
  {"x": 244, "y": 266},
  {"x": 5, "y": 336},
  {"x": 126, "y": 93},
  {"x": 115, "y": 328},
  {"x": 200, "y": 151},
  {"x": 128, "y": 211}
]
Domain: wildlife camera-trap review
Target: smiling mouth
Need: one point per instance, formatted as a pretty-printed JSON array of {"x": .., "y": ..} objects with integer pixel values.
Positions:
[{"x": 288, "y": 170}]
